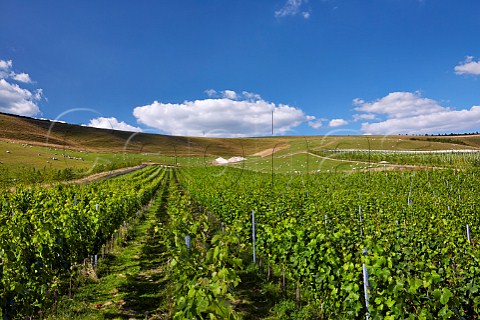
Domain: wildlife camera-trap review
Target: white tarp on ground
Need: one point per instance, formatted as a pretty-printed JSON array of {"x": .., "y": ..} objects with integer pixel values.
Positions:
[
  {"x": 221, "y": 160},
  {"x": 236, "y": 159}
]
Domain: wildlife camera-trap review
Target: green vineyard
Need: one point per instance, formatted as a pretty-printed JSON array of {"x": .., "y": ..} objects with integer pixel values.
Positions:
[
  {"x": 47, "y": 232},
  {"x": 316, "y": 232},
  {"x": 356, "y": 245},
  {"x": 240, "y": 160}
]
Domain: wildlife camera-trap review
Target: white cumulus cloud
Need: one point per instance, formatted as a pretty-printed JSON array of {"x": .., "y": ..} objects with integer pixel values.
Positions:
[
  {"x": 293, "y": 8},
  {"x": 247, "y": 115},
  {"x": 365, "y": 116},
  {"x": 469, "y": 66},
  {"x": 22, "y": 77},
  {"x": 111, "y": 123},
  {"x": 6, "y": 72},
  {"x": 230, "y": 94},
  {"x": 16, "y": 100},
  {"x": 409, "y": 112},
  {"x": 211, "y": 92},
  {"x": 398, "y": 105},
  {"x": 445, "y": 121},
  {"x": 316, "y": 123},
  {"x": 5, "y": 66},
  {"x": 251, "y": 96},
  {"x": 337, "y": 123},
  {"x": 13, "y": 98}
]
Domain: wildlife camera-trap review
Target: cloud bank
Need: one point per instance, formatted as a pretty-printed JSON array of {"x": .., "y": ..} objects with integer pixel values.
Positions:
[
  {"x": 111, "y": 123},
  {"x": 13, "y": 98},
  {"x": 409, "y": 112},
  {"x": 226, "y": 114}
]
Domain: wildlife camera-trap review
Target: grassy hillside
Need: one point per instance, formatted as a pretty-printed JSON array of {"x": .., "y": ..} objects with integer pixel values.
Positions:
[
  {"x": 27, "y": 144},
  {"x": 74, "y": 137}
]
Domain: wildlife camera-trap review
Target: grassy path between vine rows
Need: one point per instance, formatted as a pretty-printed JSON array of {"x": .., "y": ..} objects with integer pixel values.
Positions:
[{"x": 132, "y": 282}]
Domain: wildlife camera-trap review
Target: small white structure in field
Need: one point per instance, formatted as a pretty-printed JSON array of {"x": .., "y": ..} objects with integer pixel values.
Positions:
[{"x": 222, "y": 161}]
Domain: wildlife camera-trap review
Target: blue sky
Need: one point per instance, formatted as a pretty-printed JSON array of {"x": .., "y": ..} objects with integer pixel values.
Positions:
[{"x": 220, "y": 67}]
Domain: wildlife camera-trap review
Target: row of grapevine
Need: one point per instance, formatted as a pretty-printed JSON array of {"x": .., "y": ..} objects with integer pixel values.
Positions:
[
  {"x": 317, "y": 231},
  {"x": 455, "y": 159},
  {"x": 202, "y": 265},
  {"x": 45, "y": 232}
]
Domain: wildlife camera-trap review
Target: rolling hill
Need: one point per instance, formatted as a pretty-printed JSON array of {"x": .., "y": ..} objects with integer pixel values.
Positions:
[{"x": 81, "y": 138}]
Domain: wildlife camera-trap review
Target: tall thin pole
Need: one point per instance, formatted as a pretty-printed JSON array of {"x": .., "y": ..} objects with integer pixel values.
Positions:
[
  {"x": 273, "y": 150},
  {"x": 272, "y": 122},
  {"x": 308, "y": 164},
  {"x": 366, "y": 284},
  {"x": 365, "y": 289},
  {"x": 254, "y": 238}
]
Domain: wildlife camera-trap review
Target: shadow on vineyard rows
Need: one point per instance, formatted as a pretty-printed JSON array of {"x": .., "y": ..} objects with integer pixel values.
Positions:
[{"x": 255, "y": 303}]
